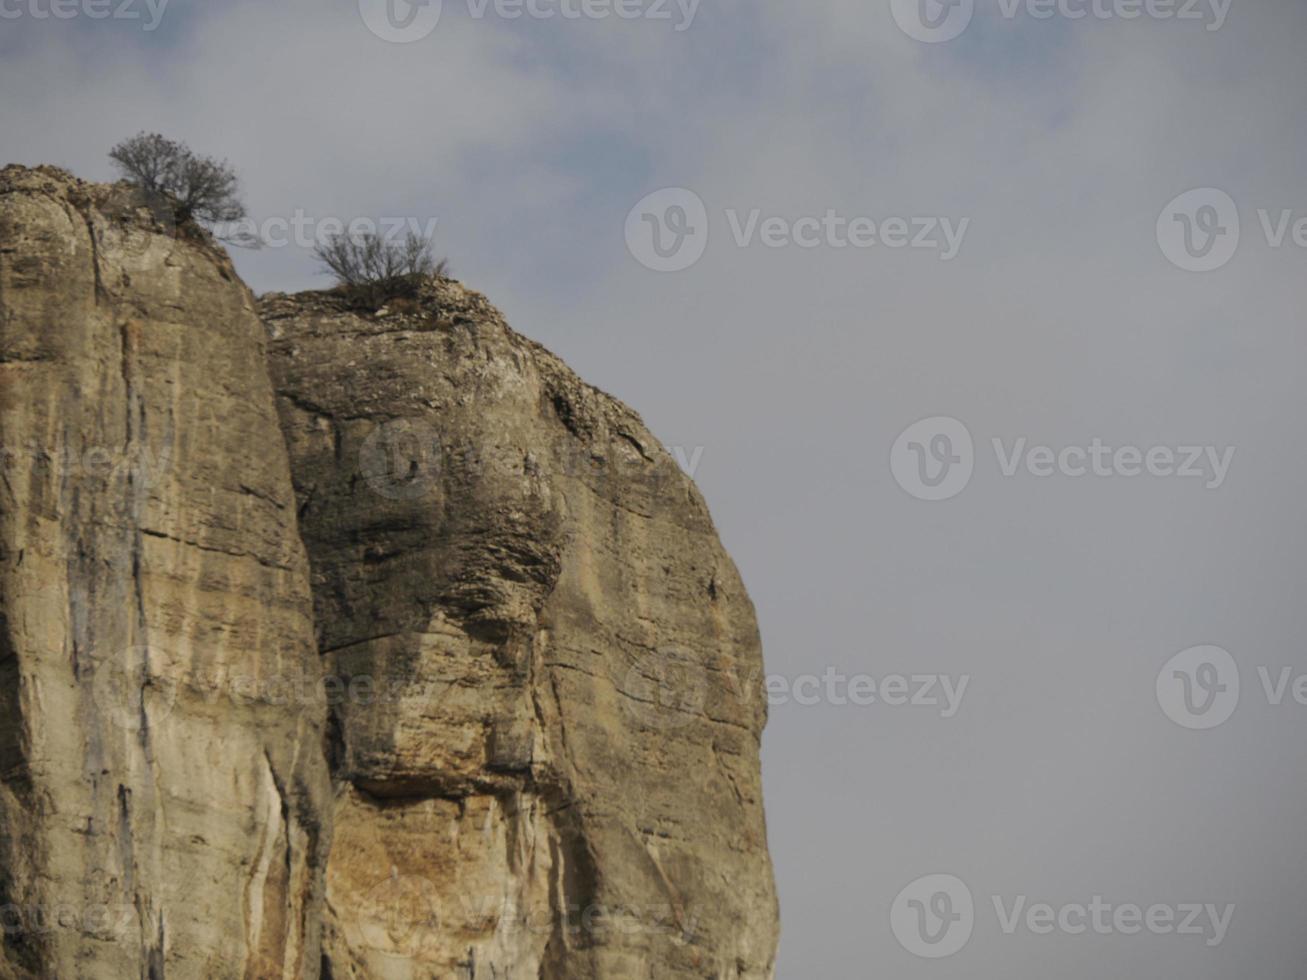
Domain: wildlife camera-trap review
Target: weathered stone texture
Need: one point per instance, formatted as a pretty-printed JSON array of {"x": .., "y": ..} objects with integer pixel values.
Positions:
[
  {"x": 159, "y": 800},
  {"x": 549, "y": 696},
  {"x": 535, "y": 754}
]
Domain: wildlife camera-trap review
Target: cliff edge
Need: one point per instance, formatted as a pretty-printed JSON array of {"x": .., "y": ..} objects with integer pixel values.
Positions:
[
  {"x": 348, "y": 643},
  {"x": 159, "y": 804}
]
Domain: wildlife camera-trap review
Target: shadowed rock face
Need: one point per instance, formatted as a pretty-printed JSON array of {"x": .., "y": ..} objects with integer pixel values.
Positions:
[
  {"x": 547, "y": 695},
  {"x": 159, "y": 806}
]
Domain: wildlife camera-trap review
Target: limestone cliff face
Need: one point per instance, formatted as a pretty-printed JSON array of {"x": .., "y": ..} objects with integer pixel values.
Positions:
[
  {"x": 500, "y": 721},
  {"x": 547, "y": 696},
  {"x": 161, "y": 784}
]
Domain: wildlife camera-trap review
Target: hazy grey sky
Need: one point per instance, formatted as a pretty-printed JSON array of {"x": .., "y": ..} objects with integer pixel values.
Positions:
[{"x": 1052, "y": 148}]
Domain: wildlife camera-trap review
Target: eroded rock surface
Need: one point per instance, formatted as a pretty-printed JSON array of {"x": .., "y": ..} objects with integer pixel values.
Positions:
[
  {"x": 162, "y": 774},
  {"x": 535, "y": 754},
  {"x": 548, "y": 683}
]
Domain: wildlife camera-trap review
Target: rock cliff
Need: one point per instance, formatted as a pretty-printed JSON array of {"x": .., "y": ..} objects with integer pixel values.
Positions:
[
  {"x": 160, "y": 797},
  {"x": 557, "y": 772},
  {"x": 501, "y": 721}
]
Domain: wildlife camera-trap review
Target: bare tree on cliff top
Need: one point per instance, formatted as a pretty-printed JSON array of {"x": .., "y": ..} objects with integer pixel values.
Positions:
[{"x": 183, "y": 186}]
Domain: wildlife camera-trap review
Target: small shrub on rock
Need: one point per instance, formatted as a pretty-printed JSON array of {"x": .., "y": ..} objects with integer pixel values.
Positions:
[{"x": 372, "y": 270}]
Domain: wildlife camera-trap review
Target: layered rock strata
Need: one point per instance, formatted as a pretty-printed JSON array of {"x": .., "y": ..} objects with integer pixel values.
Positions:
[
  {"x": 162, "y": 777},
  {"x": 501, "y": 720},
  {"x": 548, "y": 695}
]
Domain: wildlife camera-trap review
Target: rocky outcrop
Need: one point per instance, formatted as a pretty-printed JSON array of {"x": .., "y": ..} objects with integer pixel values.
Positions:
[
  {"x": 501, "y": 721},
  {"x": 162, "y": 776},
  {"x": 547, "y": 682}
]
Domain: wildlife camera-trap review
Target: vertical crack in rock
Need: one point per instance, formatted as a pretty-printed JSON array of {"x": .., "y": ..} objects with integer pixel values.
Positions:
[
  {"x": 154, "y": 598},
  {"x": 95, "y": 258},
  {"x": 546, "y": 766}
]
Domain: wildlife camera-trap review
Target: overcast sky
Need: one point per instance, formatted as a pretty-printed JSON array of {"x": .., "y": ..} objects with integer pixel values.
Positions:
[{"x": 1061, "y": 311}]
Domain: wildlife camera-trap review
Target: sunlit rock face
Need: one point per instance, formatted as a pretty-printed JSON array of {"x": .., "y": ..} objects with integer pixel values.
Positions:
[
  {"x": 547, "y": 680},
  {"x": 160, "y": 806}
]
